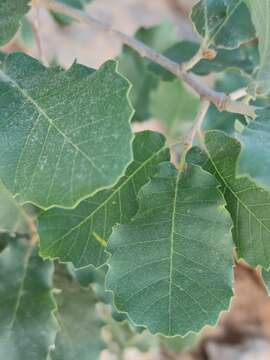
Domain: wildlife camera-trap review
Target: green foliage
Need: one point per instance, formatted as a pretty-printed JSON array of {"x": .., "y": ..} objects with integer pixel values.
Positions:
[
  {"x": 157, "y": 271},
  {"x": 56, "y": 114},
  {"x": 254, "y": 160},
  {"x": 171, "y": 102},
  {"x": 247, "y": 203},
  {"x": 81, "y": 235},
  {"x": 135, "y": 68},
  {"x": 27, "y": 325},
  {"x": 80, "y": 325},
  {"x": 260, "y": 12},
  {"x": 13, "y": 218},
  {"x": 11, "y": 13},
  {"x": 244, "y": 58},
  {"x": 146, "y": 228},
  {"x": 222, "y": 23}
]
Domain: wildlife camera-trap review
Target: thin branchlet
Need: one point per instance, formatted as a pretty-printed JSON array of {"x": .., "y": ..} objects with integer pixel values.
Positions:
[{"x": 222, "y": 101}]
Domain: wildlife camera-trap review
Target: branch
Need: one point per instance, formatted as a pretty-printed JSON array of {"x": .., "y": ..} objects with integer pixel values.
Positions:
[
  {"x": 196, "y": 126},
  {"x": 222, "y": 101}
]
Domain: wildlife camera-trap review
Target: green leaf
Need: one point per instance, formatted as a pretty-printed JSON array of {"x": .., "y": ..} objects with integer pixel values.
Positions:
[
  {"x": 248, "y": 204},
  {"x": 224, "y": 23},
  {"x": 244, "y": 58},
  {"x": 11, "y": 12},
  {"x": 81, "y": 235},
  {"x": 80, "y": 326},
  {"x": 63, "y": 134},
  {"x": 254, "y": 158},
  {"x": 158, "y": 272},
  {"x": 27, "y": 35},
  {"x": 27, "y": 326},
  {"x": 135, "y": 68},
  {"x": 66, "y": 20},
  {"x": 13, "y": 218},
  {"x": 171, "y": 102},
  {"x": 96, "y": 277},
  {"x": 260, "y": 13}
]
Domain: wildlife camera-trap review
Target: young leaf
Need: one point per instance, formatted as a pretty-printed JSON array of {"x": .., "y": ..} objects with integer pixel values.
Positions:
[
  {"x": 63, "y": 134},
  {"x": 260, "y": 13},
  {"x": 158, "y": 272},
  {"x": 11, "y": 12},
  {"x": 254, "y": 157},
  {"x": 79, "y": 336},
  {"x": 224, "y": 23},
  {"x": 248, "y": 204},
  {"x": 81, "y": 235},
  {"x": 13, "y": 219},
  {"x": 135, "y": 68},
  {"x": 27, "y": 326}
]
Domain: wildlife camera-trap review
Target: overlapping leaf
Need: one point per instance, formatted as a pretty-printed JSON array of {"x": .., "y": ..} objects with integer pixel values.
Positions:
[
  {"x": 254, "y": 157},
  {"x": 224, "y": 23},
  {"x": 171, "y": 267},
  {"x": 13, "y": 218},
  {"x": 79, "y": 336},
  {"x": 27, "y": 326},
  {"x": 81, "y": 235},
  {"x": 260, "y": 13},
  {"x": 63, "y": 134},
  {"x": 248, "y": 204},
  {"x": 11, "y": 12}
]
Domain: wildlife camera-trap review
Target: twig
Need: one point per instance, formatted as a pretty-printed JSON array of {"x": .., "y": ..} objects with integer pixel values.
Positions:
[
  {"x": 221, "y": 100},
  {"x": 238, "y": 94},
  {"x": 196, "y": 126}
]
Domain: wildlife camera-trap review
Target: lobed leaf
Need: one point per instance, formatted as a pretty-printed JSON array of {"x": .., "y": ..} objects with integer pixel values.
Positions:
[
  {"x": 13, "y": 218},
  {"x": 248, "y": 204},
  {"x": 254, "y": 157},
  {"x": 81, "y": 235},
  {"x": 79, "y": 336},
  {"x": 11, "y": 13},
  {"x": 222, "y": 23},
  {"x": 64, "y": 135},
  {"x": 27, "y": 326},
  {"x": 157, "y": 271}
]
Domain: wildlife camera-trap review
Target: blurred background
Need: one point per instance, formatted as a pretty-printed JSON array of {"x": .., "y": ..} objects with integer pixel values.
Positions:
[{"x": 242, "y": 333}]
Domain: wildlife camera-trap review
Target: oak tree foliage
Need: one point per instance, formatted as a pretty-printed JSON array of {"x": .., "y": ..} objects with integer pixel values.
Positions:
[{"x": 144, "y": 225}]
